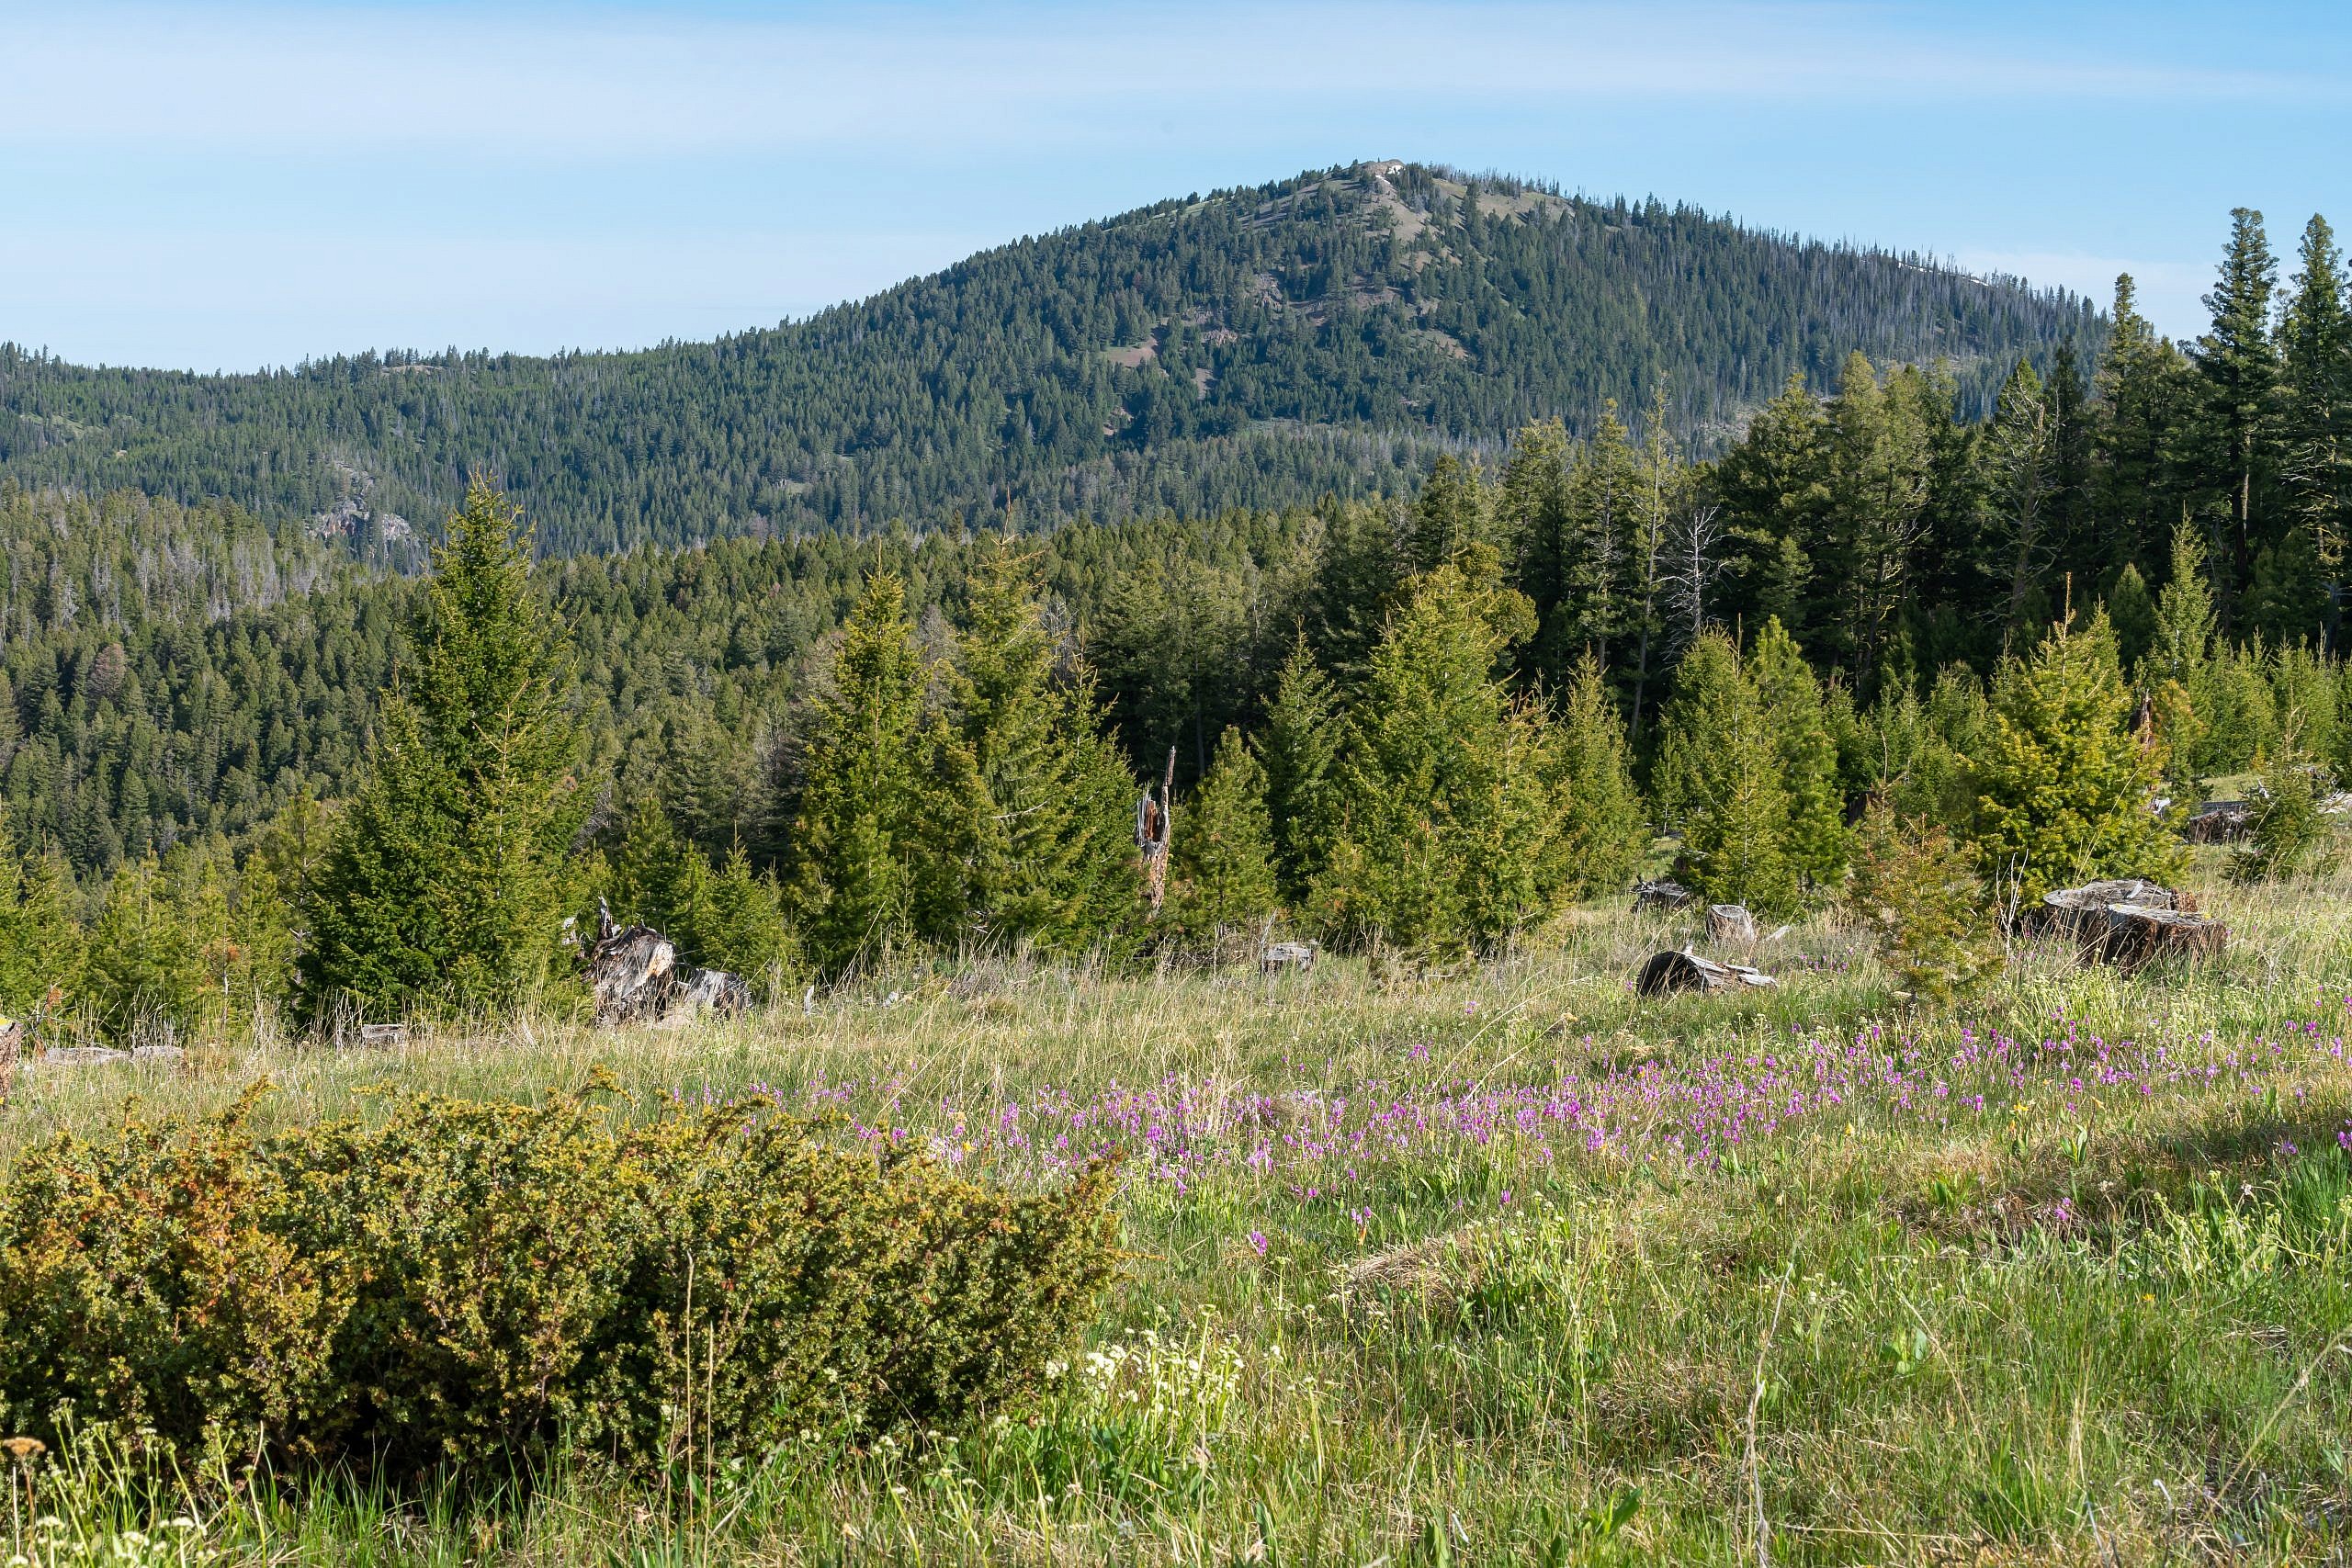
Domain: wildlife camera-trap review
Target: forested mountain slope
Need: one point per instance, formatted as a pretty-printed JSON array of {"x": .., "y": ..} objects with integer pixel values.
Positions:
[{"x": 1255, "y": 348}]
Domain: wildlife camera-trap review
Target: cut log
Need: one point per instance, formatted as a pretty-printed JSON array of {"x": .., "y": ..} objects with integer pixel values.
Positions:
[
  {"x": 1662, "y": 897},
  {"x": 383, "y": 1034},
  {"x": 1281, "y": 955},
  {"x": 1730, "y": 922},
  {"x": 1686, "y": 971}
]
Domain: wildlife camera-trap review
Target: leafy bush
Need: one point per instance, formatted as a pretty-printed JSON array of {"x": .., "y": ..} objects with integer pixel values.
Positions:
[
  {"x": 2291, "y": 833},
  {"x": 1922, "y": 899},
  {"x": 476, "y": 1281}
]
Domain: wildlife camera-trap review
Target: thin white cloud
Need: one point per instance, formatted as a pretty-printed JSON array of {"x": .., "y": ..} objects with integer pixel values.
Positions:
[{"x": 608, "y": 83}]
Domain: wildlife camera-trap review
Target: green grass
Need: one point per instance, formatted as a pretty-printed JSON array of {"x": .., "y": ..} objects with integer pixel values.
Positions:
[{"x": 1391, "y": 1299}]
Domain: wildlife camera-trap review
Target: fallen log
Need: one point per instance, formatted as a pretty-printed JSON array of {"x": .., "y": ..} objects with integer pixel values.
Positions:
[
  {"x": 1685, "y": 971},
  {"x": 1662, "y": 897}
]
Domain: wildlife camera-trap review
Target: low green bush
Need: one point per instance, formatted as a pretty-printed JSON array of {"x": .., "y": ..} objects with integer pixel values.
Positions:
[{"x": 476, "y": 1281}]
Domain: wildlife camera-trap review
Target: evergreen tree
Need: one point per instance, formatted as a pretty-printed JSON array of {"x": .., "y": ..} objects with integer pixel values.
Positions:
[
  {"x": 2063, "y": 785},
  {"x": 41, "y": 945},
  {"x": 2141, "y": 395},
  {"x": 870, "y": 854},
  {"x": 1605, "y": 832},
  {"x": 145, "y": 969},
  {"x": 2316, "y": 467},
  {"x": 1053, "y": 858},
  {"x": 743, "y": 929},
  {"x": 1447, "y": 808},
  {"x": 441, "y": 887},
  {"x": 2240, "y": 366},
  {"x": 1298, "y": 750},
  {"x": 1774, "y": 487},
  {"x": 2179, "y": 670},
  {"x": 1878, "y": 454},
  {"x": 1453, "y": 513},
  {"x": 1815, "y": 838},
  {"x": 1222, "y": 876},
  {"x": 1921, "y": 898},
  {"x": 2134, "y": 612},
  {"x": 2019, "y": 450},
  {"x": 1720, "y": 779},
  {"x": 1603, "y": 526}
]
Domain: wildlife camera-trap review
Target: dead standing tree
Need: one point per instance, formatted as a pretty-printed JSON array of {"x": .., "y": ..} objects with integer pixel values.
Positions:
[{"x": 1155, "y": 830}]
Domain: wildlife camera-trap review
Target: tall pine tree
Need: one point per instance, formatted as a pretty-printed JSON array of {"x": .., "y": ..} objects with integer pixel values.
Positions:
[{"x": 441, "y": 886}]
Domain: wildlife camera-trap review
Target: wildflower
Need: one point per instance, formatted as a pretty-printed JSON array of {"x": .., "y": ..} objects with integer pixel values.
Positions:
[{"x": 1258, "y": 1242}]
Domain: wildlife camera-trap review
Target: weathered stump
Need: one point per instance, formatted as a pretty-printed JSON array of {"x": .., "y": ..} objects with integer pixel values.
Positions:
[
  {"x": 1662, "y": 897},
  {"x": 2135, "y": 936},
  {"x": 2126, "y": 922},
  {"x": 2220, "y": 822},
  {"x": 1278, "y": 956},
  {"x": 1686, "y": 971},
  {"x": 2080, "y": 913},
  {"x": 632, "y": 971},
  {"x": 1730, "y": 922}
]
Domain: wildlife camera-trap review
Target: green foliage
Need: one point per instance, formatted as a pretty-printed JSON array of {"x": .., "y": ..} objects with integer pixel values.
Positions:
[
  {"x": 1604, "y": 831},
  {"x": 2063, "y": 785},
  {"x": 1299, "y": 751},
  {"x": 2290, "y": 834},
  {"x": 145, "y": 965},
  {"x": 1918, "y": 891},
  {"x": 1223, "y": 876},
  {"x": 1446, "y": 787},
  {"x": 724, "y": 916},
  {"x": 480, "y": 1281},
  {"x": 1719, "y": 778},
  {"x": 868, "y": 846},
  {"x": 42, "y": 942},
  {"x": 1816, "y": 839},
  {"x": 1050, "y": 826},
  {"x": 440, "y": 889}
]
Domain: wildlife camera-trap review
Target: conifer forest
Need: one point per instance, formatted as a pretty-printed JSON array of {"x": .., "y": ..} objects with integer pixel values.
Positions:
[{"x": 1389, "y": 867}]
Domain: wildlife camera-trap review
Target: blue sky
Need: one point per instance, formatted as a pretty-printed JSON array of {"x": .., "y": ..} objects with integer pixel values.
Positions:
[{"x": 228, "y": 186}]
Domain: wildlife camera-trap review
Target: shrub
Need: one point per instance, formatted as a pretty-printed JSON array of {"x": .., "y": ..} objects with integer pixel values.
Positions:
[
  {"x": 477, "y": 1281},
  {"x": 1921, "y": 899},
  {"x": 2291, "y": 833}
]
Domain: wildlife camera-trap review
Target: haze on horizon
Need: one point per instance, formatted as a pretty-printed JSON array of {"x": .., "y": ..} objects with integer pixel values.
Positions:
[{"x": 230, "y": 186}]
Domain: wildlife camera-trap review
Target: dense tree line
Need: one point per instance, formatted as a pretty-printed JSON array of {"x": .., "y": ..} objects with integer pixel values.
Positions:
[
  {"x": 1423, "y": 722},
  {"x": 1259, "y": 348}
]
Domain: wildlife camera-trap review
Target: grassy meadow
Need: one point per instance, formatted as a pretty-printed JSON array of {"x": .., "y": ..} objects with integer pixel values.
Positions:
[{"x": 1497, "y": 1265}]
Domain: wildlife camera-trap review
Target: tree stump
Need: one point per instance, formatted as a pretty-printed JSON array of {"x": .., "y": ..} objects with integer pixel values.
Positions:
[
  {"x": 2135, "y": 936},
  {"x": 2126, "y": 922},
  {"x": 2220, "y": 822},
  {"x": 1662, "y": 897},
  {"x": 1730, "y": 922},
  {"x": 2080, "y": 913},
  {"x": 1281, "y": 955},
  {"x": 1685, "y": 971},
  {"x": 632, "y": 971}
]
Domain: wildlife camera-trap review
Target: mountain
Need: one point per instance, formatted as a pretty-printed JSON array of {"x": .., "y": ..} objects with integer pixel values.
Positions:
[{"x": 1258, "y": 346}]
